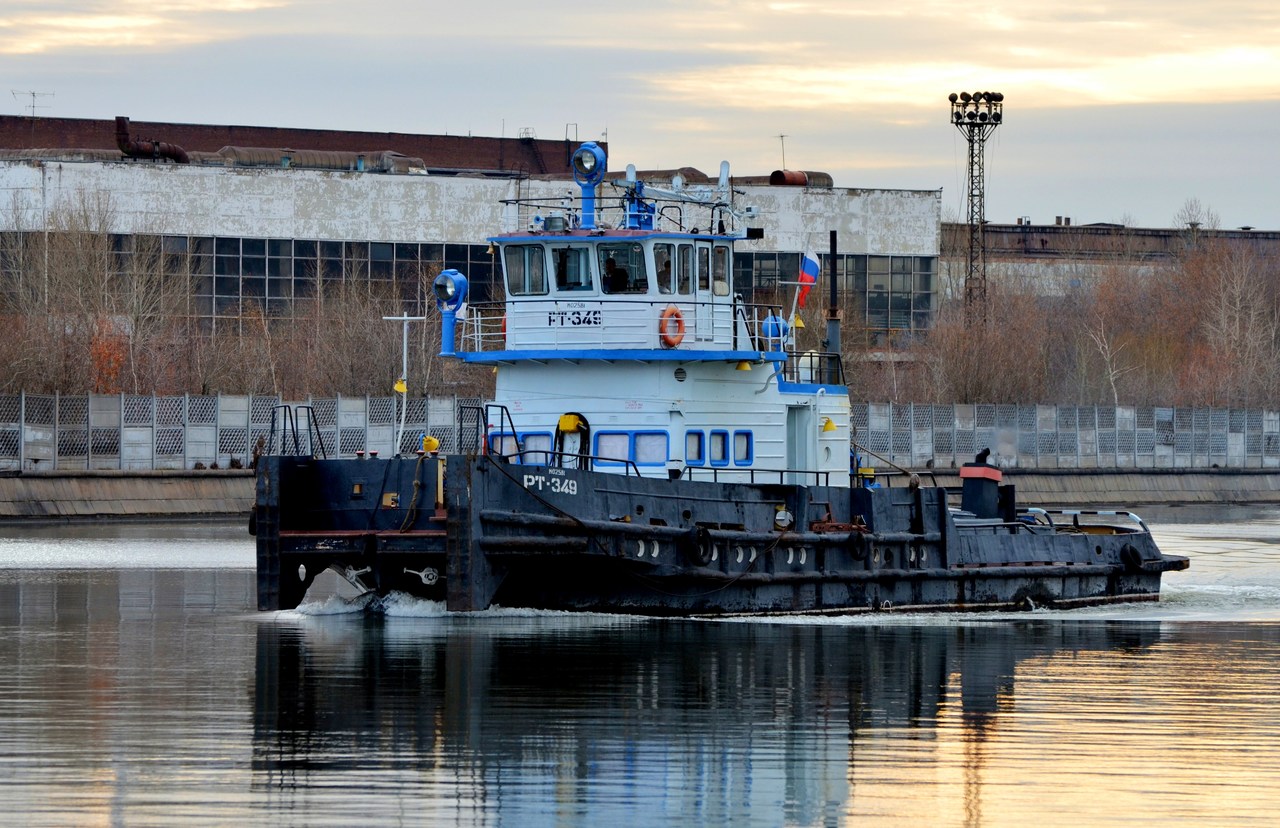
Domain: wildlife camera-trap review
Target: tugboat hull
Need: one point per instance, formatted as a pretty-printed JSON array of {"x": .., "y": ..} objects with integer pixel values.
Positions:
[{"x": 479, "y": 531}]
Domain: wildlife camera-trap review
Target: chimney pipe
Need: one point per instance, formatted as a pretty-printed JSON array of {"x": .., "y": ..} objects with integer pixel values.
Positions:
[{"x": 147, "y": 149}]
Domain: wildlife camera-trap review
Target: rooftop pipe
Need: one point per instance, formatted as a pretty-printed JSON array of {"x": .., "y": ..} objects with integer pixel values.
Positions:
[{"x": 147, "y": 149}]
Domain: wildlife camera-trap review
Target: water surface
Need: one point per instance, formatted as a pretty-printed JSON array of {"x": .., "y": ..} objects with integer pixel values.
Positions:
[{"x": 138, "y": 686}]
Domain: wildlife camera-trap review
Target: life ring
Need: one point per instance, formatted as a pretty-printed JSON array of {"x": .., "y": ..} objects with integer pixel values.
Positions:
[{"x": 671, "y": 339}]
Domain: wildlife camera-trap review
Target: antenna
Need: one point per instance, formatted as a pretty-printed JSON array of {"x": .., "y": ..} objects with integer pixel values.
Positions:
[
  {"x": 976, "y": 115},
  {"x": 19, "y": 94},
  {"x": 783, "y": 140}
]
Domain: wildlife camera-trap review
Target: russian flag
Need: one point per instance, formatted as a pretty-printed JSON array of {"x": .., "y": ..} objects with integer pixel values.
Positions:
[{"x": 809, "y": 270}]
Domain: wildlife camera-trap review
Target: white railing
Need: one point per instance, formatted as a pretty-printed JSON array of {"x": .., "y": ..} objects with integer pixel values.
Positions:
[{"x": 619, "y": 323}]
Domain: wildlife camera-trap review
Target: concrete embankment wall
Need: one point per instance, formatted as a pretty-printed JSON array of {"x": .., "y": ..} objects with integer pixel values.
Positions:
[
  {"x": 142, "y": 495},
  {"x": 228, "y": 494},
  {"x": 1117, "y": 488}
]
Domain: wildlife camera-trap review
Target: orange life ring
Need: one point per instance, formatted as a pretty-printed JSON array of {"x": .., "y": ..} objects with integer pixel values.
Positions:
[{"x": 671, "y": 339}]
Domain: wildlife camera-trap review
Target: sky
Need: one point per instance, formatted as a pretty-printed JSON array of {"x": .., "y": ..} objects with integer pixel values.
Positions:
[{"x": 1138, "y": 112}]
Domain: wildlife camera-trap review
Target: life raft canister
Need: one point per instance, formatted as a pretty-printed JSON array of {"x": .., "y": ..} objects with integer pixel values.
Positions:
[{"x": 671, "y": 338}]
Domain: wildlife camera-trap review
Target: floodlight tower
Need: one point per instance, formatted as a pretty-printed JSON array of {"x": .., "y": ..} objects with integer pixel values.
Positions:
[{"x": 976, "y": 115}]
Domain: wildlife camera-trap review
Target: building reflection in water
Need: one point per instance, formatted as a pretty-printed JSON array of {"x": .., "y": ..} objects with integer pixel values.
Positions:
[{"x": 583, "y": 720}]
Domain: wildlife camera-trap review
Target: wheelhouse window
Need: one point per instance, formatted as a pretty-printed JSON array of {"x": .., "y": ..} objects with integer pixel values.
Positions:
[
  {"x": 573, "y": 268},
  {"x": 622, "y": 268},
  {"x": 720, "y": 270},
  {"x": 684, "y": 277},
  {"x": 526, "y": 270},
  {"x": 704, "y": 269},
  {"x": 664, "y": 260}
]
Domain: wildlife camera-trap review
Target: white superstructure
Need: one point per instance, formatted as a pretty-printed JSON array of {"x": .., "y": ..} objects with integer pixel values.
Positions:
[{"x": 622, "y": 345}]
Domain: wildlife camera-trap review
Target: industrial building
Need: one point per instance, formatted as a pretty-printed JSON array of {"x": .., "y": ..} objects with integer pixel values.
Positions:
[{"x": 264, "y": 216}]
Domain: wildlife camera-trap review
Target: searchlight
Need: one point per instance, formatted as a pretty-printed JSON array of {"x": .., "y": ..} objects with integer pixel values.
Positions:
[
  {"x": 450, "y": 288},
  {"x": 589, "y": 166}
]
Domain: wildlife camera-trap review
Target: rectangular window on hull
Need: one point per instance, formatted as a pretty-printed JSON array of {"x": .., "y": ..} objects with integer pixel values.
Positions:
[
  {"x": 537, "y": 449},
  {"x": 613, "y": 447},
  {"x": 695, "y": 453},
  {"x": 719, "y": 448},
  {"x": 743, "y": 448},
  {"x": 531, "y": 449},
  {"x": 644, "y": 448},
  {"x": 650, "y": 448}
]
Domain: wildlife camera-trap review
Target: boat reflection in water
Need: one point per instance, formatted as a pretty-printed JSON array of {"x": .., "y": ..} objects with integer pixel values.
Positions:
[{"x": 533, "y": 720}]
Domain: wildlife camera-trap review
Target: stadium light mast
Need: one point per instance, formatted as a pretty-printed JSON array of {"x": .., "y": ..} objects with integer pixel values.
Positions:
[{"x": 976, "y": 115}]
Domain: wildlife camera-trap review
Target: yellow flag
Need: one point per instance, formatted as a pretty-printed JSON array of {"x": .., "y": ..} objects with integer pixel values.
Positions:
[{"x": 400, "y": 387}]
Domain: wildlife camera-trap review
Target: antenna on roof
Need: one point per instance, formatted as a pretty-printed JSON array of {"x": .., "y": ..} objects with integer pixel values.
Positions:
[{"x": 18, "y": 94}]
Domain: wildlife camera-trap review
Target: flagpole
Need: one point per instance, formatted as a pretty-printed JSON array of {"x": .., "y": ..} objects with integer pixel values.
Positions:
[{"x": 795, "y": 303}]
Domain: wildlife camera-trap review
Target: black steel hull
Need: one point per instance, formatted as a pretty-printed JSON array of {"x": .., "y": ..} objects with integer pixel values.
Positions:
[{"x": 477, "y": 532}]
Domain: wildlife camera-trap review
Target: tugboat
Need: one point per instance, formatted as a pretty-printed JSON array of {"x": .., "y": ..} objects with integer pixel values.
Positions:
[{"x": 658, "y": 445}]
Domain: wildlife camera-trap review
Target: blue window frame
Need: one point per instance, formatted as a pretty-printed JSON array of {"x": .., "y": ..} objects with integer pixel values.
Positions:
[
  {"x": 537, "y": 448},
  {"x": 718, "y": 448},
  {"x": 504, "y": 443},
  {"x": 695, "y": 448},
  {"x": 650, "y": 448},
  {"x": 744, "y": 449},
  {"x": 644, "y": 448},
  {"x": 612, "y": 447}
]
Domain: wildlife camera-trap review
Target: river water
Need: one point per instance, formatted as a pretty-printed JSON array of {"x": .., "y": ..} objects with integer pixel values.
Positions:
[{"x": 138, "y": 686}]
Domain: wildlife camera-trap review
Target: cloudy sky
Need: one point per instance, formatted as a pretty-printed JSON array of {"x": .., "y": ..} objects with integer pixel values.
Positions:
[{"x": 1114, "y": 111}]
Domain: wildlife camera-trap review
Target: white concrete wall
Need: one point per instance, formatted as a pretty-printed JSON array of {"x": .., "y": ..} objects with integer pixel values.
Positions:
[
  {"x": 320, "y": 204},
  {"x": 255, "y": 202},
  {"x": 878, "y": 222}
]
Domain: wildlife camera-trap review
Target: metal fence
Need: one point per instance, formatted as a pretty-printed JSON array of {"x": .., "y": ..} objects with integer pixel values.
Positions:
[
  {"x": 117, "y": 431},
  {"x": 1069, "y": 437},
  {"x": 121, "y": 431}
]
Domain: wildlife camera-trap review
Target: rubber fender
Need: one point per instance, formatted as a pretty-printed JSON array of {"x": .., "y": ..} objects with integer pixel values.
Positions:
[
  {"x": 696, "y": 546},
  {"x": 1131, "y": 558},
  {"x": 858, "y": 546}
]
